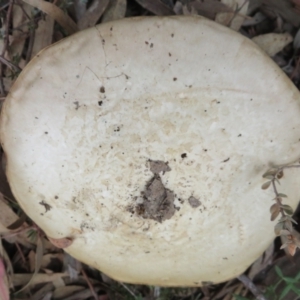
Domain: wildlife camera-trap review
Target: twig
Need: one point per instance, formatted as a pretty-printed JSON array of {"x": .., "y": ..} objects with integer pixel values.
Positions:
[
  {"x": 4, "y": 6},
  {"x": 251, "y": 287},
  {"x": 89, "y": 284},
  {"x": 20, "y": 252},
  {"x": 284, "y": 228},
  {"x": 128, "y": 289},
  {"x": 9, "y": 64}
]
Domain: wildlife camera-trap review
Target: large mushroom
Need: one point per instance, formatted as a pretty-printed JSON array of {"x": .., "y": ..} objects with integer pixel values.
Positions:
[{"x": 144, "y": 142}]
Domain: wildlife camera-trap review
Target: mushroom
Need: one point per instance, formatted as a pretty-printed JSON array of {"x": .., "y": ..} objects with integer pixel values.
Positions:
[{"x": 143, "y": 142}]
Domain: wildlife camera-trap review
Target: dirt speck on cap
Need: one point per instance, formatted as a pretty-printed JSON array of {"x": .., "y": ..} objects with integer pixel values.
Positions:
[
  {"x": 157, "y": 166},
  {"x": 194, "y": 202},
  {"x": 158, "y": 201}
]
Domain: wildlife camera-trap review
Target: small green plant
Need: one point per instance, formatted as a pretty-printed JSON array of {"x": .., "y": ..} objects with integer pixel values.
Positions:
[
  {"x": 289, "y": 284},
  {"x": 272, "y": 291},
  {"x": 284, "y": 228}
]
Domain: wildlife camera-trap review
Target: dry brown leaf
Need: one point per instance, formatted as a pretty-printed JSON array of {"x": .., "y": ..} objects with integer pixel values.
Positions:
[
  {"x": 61, "y": 243},
  {"x": 190, "y": 11},
  {"x": 20, "y": 34},
  {"x": 7, "y": 217},
  {"x": 65, "y": 291},
  {"x": 296, "y": 5},
  {"x": 266, "y": 185},
  {"x": 284, "y": 8},
  {"x": 116, "y": 10},
  {"x": 38, "y": 261},
  {"x": 275, "y": 207},
  {"x": 209, "y": 8},
  {"x": 4, "y": 289},
  {"x": 84, "y": 294},
  {"x": 275, "y": 214},
  {"x": 43, "y": 292},
  {"x": 178, "y": 8},
  {"x": 254, "y": 6},
  {"x": 156, "y": 7},
  {"x": 234, "y": 19},
  {"x": 31, "y": 260},
  {"x": 93, "y": 14},
  {"x": 79, "y": 8},
  {"x": 18, "y": 223},
  {"x": 56, "y": 13},
  {"x": 256, "y": 19},
  {"x": 43, "y": 35},
  {"x": 273, "y": 43},
  {"x": 21, "y": 279},
  {"x": 8, "y": 264},
  {"x": 4, "y": 186},
  {"x": 262, "y": 262},
  {"x": 291, "y": 248},
  {"x": 59, "y": 282},
  {"x": 50, "y": 257}
]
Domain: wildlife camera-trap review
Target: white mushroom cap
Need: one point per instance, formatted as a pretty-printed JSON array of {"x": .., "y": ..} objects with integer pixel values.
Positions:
[{"x": 145, "y": 140}]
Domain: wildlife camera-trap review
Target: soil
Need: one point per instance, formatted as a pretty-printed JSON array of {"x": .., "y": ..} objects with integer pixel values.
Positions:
[
  {"x": 194, "y": 202},
  {"x": 158, "y": 201}
]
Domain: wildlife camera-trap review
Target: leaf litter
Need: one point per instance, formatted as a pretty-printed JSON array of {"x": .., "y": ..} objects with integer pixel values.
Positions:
[{"x": 34, "y": 267}]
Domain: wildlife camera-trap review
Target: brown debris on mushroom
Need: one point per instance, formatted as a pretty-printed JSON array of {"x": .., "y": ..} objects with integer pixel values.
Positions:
[
  {"x": 157, "y": 166},
  {"x": 194, "y": 202},
  {"x": 158, "y": 201}
]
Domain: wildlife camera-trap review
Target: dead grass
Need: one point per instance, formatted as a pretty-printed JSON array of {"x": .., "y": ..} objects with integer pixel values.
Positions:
[{"x": 33, "y": 268}]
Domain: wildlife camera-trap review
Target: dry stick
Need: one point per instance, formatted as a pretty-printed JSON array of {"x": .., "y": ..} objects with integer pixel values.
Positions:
[
  {"x": 89, "y": 284},
  {"x": 251, "y": 287},
  {"x": 20, "y": 252},
  {"x": 20, "y": 4},
  {"x": 4, "y": 6},
  {"x": 10, "y": 65},
  {"x": 278, "y": 199},
  {"x": 128, "y": 289}
]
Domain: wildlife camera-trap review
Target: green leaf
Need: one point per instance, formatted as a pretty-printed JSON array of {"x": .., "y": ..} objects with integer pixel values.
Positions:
[
  {"x": 271, "y": 177},
  {"x": 297, "y": 276},
  {"x": 282, "y": 195},
  {"x": 289, "y": 280},
  {"x": 291, "y": 219},
  {"x": 296, "y": 290},
  {"x": 287, "y": 209},
  {"x": 284, "y": 292},
  {"x": 279, "y": 272}
]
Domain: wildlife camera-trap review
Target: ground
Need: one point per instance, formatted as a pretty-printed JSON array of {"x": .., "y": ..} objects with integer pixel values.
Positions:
[{"x": 31, "y": 267}]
